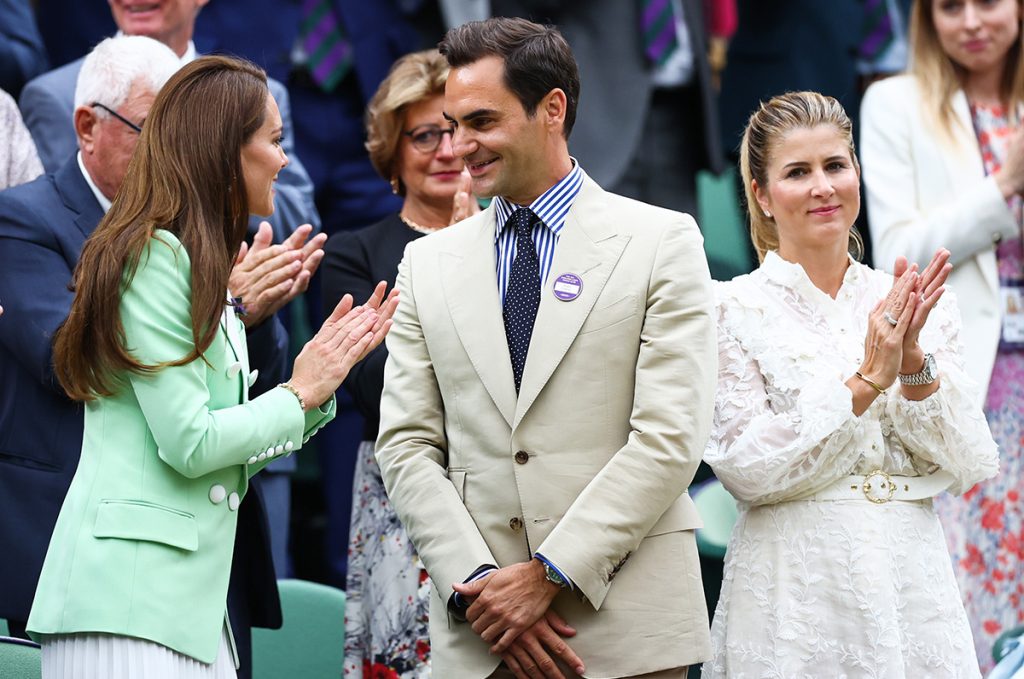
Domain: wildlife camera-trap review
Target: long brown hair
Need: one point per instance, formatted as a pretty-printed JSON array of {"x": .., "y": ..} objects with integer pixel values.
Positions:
[
  {"x": 765, "y": 130},
  {"x": 939, "y": 77},
  {"x": 185, "y": 176}
]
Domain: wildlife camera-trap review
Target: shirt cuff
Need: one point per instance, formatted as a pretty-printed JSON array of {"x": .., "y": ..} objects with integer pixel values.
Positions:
[
  {"x": 543, "y": 559},
  {"x": 456, "y": 605}
]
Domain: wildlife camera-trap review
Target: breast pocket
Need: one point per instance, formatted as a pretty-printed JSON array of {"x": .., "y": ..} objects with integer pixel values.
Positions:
[
  {"x": 611, "y": 314},
  {"x": 147, "y": 521}
]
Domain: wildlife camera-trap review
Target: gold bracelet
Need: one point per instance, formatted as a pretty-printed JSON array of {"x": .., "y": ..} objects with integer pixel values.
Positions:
[
  {"x": 874, "y": 385},
  {"x": 289, "y": 387}
]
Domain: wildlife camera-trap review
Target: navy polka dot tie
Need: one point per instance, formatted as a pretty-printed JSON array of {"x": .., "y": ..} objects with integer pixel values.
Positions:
[{"x": 522, "y": 297}]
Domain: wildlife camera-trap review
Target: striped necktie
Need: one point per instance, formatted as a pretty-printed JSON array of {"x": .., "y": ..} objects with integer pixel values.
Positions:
[
  {"x": 522, "y": 299},
  {"x": 658, "y": 24},
  {"x": 877, "y": 32},
  {"x": 328, "y": 50}
]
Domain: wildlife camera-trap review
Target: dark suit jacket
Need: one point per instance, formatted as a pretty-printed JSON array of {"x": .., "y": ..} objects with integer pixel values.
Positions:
[
  {"x": 43, "y": 225},
  {"x": 616, "y": 87},
  {"x": 22, "y": 55},
  {"x": 784, "y": 46},
  {"x": 354, "y": 262}
]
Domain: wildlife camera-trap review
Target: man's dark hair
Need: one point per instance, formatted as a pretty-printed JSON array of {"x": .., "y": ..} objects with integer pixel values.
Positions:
[{"x": 537, "y": 59}]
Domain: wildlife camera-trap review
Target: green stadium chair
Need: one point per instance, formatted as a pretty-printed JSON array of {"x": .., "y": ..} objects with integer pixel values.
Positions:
[
  {"x": 311, "y": 641},
  {"x": 718, "y": 510}
]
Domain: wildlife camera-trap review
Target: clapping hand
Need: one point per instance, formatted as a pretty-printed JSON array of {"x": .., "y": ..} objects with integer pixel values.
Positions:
[
  {"x": 887, "y": 325},
  {"x": 345, "y": 338},
  {"x": 267, "y": 276},
  {"x": 929, "y": 289},
  {"x": 464, "y": 203}
]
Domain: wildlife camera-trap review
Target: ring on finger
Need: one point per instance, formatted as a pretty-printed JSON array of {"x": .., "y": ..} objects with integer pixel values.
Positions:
[{"x": 890, "y": 319}]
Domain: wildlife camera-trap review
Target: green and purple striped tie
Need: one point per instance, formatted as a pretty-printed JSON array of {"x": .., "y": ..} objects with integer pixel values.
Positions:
[
  {"x": 658, "y": 23},
  {"x": 328, "y": 50},
  {"x": 877, "y": 32}
]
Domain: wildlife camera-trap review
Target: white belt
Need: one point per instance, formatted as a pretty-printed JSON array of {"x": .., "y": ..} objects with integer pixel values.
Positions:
[{"x": 880, "y": 487}]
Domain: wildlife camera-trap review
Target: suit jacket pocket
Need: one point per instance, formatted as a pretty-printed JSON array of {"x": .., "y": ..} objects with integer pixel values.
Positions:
[
  {"x": 140, "y": 520},
  {"x": 606, "y": 316},
  {"x": 681, "y": 515},
  {"x": 458, "y": 479}
]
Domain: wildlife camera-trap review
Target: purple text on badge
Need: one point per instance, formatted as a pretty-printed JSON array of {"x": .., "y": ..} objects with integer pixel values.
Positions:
[{"x": 568, "y": 287}]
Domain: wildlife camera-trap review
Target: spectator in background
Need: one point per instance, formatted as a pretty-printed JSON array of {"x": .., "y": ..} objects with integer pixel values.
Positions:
[
  {"x": 410, "y": 145},
  {"x": 22, "y": 55},
  {"x": 48, "y": 101},
  {"x": 136, "y": 575},
  {"x": 19, "y": 162},
  {"x": 943, "y": 153},
  {"x": 43, "y": 225},
  {"x": 837, "y": 565}
]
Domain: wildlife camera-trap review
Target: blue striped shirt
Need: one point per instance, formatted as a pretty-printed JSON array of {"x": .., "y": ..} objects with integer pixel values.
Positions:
[{"x": 551, "y": 207}]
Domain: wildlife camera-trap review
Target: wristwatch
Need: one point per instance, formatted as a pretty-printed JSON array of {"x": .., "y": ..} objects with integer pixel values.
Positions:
[
  {"x": 928, "y": 374},
  {"x": 553, "y": 576}
]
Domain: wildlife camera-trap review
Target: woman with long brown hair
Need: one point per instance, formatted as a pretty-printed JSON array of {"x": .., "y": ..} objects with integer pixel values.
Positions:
[
  {"x": 943, "y": 152},
  {"x": 135, "y": 579}
]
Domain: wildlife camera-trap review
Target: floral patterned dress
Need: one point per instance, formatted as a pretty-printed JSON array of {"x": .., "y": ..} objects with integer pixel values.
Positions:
[
  {"x": 985, "y": 527},
  {"x": 834, "y": 588}
]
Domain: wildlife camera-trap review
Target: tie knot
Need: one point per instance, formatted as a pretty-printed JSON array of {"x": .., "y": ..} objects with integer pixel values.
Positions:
[{"x": 523, "y": 220}]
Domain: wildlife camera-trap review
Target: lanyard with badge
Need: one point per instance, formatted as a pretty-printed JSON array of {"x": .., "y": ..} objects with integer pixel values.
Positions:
[{"x": 1011, "y": 279}]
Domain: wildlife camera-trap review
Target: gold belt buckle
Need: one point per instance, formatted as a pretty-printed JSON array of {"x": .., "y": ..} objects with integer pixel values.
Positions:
[{"x": 884, "y": 485}]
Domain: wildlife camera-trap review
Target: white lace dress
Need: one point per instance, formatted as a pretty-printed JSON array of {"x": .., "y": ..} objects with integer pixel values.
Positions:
[{"x": 834, "y": 588}]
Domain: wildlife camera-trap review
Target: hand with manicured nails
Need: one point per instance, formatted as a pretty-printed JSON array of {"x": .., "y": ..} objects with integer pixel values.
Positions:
[
  {"x": 464, "y": 203},
  {"x": 267, "y": 276},
  {"x": 345, "y": 338},
  {"x": 930, "y": 286}
]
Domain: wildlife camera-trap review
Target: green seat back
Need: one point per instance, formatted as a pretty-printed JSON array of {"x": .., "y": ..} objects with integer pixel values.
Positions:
[
  {"x": 997, "y": 647},
  {"x": 723, "y": 223},
  {"x": 718, "y": 511},
  {"x": 311, "y": 641},
  {"x": 20, "y": 659}
]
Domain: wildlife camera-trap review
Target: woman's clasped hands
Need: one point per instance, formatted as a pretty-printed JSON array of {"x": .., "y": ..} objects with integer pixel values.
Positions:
[
  {"x": 894, "y": 325},
  {"x": 345, "y": 338}
]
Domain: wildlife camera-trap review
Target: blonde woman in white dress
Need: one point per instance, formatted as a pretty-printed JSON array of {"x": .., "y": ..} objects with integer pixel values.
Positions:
[{"x": 842, "y": 409}]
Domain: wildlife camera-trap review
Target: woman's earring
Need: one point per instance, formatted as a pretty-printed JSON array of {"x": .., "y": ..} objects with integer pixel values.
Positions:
[
  {"x": 394, "y": 185},
  {"x": 767, "y": 214}
]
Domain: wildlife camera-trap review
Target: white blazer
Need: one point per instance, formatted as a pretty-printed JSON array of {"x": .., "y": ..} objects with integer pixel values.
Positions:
[{"x": 926, "y": 191}]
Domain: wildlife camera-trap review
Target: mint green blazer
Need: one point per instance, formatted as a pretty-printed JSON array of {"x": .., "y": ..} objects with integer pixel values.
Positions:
[{"x": 144, "y": 540}]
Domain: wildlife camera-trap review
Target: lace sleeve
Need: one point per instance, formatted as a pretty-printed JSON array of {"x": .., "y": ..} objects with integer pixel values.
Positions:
[
  {"x": 948, "y": 428},
  {"x": 765, "y": 455}
]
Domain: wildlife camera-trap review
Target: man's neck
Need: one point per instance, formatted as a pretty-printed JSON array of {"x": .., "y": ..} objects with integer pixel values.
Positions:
[{"x": 556, "y": 171}]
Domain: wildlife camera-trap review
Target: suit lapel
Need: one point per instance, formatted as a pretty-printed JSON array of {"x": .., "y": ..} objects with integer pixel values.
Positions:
[
  {"x": 78, "y": 197},
  {"x": 589, "y": 247},
  {"x": 470, "y": 283}
]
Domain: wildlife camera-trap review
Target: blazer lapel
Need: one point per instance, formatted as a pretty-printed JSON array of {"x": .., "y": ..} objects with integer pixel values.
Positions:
[
  {"x": 78, "y": 197},
  {"x": 470, "y": 283},
  {"x": 589, "y": 247}
]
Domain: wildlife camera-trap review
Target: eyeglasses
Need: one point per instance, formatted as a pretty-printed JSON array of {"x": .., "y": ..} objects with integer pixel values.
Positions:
[
  {"x": 137, "y": 128},
  {"x": 426, "y": 138}
]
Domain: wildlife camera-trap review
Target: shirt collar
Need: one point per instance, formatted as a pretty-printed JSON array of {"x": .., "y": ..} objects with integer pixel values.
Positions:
[
  {"x": 551, "y": 207},
  {"x": 100, "y": 198},
  {"x": 791, "y": 275}
]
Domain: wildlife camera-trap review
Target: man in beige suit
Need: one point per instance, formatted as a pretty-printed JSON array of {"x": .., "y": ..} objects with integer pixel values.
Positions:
[{"x": 548, "y": 393}]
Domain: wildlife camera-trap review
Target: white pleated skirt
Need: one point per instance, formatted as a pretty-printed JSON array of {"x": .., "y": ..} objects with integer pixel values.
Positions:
[{"x": 110, "y": 656}]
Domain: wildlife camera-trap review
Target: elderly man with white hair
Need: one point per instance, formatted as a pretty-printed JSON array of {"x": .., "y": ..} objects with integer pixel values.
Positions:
[{"x": 43, "y": 225}]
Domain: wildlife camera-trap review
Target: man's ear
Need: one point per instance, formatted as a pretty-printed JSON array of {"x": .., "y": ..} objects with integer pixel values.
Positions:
[
  {"x": 85, "y": 127},
  {"x": 554, "y": 105}
]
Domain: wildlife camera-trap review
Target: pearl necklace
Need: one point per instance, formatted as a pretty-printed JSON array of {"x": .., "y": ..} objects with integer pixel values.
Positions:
[{"x": 418, "y": 227}]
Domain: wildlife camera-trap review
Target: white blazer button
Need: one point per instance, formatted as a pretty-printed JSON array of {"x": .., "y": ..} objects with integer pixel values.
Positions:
[
  {"x": 234, "y": 369},
  {"x": 261, "y": 457},
  {"x": 234, "y": 501},
  {"x": 279, "y": 449},
  {"x": 252, "y": 377},
  {"x": 289, "y": 446},
  {"x": 253, "y": 460},
  {"x": 217, "y": 494},
  {"x": 270, "y": 451}
]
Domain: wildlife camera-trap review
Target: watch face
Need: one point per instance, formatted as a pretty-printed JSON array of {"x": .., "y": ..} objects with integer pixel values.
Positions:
[{"x": 930, "y": 371}]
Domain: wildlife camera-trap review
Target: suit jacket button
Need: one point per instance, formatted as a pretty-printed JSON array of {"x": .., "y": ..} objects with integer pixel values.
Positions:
[
  {"x": 253, "y": 460},
  {"x": 515, "y": 523},
  {"x": 270, "y": 451},
  {"x": 279, "y": 449},
  {"x": 522, "y": 457},
  {"x": 217, "y": 494},
  {"x": 261, "y": 457},
  {"x": 234, "y": 501},
  {"x": 234, "y": 369},
  {"x": 252, "y": 377},
  {"x": 289, "y": 446}
]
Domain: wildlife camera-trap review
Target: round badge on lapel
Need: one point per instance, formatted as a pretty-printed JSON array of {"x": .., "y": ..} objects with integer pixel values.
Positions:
[{"x": 567, "y": 287}]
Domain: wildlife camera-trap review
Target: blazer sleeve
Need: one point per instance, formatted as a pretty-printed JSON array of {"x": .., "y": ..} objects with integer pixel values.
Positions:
[
  {"x": 903, "y": 222},
  {"x": 412, "y": 453},
  {"x": 673, "y": 401},
  {"x": 190, "y": 436},
  {"x": 293, "y": 200},
  {"x": 34, "y": 278}
]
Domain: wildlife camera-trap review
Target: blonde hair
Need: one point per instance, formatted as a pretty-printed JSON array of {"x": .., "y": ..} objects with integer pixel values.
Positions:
[
  {"x": 412, "y": 79},
  {"x": 765, "y": 130},
  {"x": 939, "y": 77}
]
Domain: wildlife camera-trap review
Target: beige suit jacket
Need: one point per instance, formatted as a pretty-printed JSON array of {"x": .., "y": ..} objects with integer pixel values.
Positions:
[
  {"x": 926, "y": 191},
  {"x": 590, "y": 464}
]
